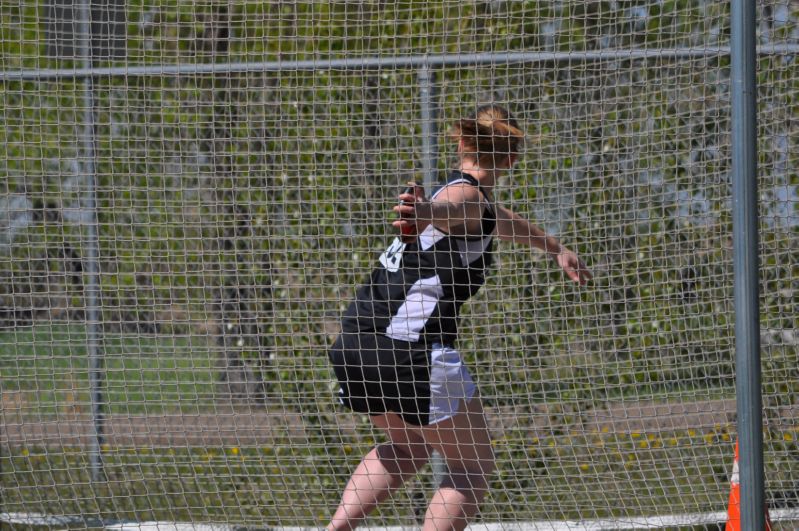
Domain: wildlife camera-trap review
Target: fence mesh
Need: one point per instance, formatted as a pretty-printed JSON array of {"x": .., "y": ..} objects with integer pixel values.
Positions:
[{"x": 234, "y": 212}]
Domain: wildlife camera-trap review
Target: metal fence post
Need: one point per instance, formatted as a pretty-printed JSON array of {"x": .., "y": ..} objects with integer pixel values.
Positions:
[
  {"x": 429, "y": 114},
  {"x": 92, "y": 267},
  {"x": 745, "y": 244}
]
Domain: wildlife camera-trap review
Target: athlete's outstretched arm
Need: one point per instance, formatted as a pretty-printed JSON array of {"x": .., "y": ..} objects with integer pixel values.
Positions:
[{"x": 514, "y": 228}]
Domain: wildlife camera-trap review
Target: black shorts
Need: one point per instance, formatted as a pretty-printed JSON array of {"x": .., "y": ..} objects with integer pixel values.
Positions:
[{"x": 421, "y": 384}]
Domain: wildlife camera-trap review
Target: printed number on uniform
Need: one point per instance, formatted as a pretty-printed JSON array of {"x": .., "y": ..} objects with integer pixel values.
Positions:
[{"x": 393, "y": 256}]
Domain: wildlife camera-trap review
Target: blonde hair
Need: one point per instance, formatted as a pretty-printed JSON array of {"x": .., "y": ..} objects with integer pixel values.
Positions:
[{"x": 490, "y": 136}]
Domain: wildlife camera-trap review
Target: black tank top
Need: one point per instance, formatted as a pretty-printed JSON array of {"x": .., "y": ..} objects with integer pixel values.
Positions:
[{"x": 416, "y": 291}]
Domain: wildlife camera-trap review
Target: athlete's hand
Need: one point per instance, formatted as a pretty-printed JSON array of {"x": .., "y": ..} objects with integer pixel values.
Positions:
[
  {"x": 411, "y": 201},
  {"x": 573, "y": 266}
]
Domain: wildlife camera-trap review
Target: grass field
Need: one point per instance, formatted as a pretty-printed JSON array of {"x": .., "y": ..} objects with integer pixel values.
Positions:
[{"x": 47, "y": 370}]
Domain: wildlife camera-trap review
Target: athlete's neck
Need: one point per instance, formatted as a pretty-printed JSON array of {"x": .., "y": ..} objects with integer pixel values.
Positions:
[{"x": 486, "y": 177}]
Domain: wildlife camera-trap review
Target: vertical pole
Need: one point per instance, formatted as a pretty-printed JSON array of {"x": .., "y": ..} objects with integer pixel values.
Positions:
[
  {"x": 91, "y": 268},
  {"x": 429, "y": 114},
  {"x": 429, "y": 134},
  {"x": 745, "y": 244}
]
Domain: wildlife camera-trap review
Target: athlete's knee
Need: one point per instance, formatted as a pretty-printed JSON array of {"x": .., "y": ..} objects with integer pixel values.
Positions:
[
  {"x": 471, "y": 478},
  {"x": 482, "y": 462}
]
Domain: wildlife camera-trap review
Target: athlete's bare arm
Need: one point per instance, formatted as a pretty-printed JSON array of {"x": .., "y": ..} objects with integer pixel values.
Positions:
[
  {"x": 511, "y": 227},
  {"x": 456, "y": 209},
  {"x": 514, "y": 228}
]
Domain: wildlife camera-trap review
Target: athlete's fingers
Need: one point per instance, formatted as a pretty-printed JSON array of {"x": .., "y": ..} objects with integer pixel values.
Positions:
[
  {"x": 405, "y": 210},
  {"x": 416, "y": 194},
  {"x": 418, "y": 190},
  {"x": 582, "y": 271},
  {"x": 403, "y": 223},
  {"x": 581, "y": 276},
  {"x": 408, "y": 198},
  {"x": 574, "y": 268},
  {"x": 585, "y": 273}
]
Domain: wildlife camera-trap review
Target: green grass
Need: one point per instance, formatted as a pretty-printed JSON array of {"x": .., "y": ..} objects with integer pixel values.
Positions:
[
  {"x": 46, "y": 367},
  {"x": 267, "y": 485}
]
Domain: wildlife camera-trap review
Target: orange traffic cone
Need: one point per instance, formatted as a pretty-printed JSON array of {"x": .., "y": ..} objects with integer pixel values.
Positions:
[{"x": 734, "y": 508}]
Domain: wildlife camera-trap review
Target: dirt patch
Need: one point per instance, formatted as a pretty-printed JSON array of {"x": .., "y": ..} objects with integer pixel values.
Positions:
[{"x": 248, "y": 428}]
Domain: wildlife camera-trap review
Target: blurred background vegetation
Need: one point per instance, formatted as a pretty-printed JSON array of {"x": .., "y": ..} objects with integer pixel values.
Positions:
[{"x": 237, "y": 213}]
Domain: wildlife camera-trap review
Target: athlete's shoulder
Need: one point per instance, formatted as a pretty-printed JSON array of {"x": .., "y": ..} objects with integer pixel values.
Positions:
[{"x": 458, "y": 187}]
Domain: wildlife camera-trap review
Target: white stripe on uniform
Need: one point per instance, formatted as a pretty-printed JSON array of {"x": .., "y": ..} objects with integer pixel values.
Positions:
[{"x": 420, "y": 302}]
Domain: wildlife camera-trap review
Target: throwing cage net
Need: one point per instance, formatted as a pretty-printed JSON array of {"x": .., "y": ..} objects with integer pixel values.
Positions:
[{"x": 190, "y": 192}]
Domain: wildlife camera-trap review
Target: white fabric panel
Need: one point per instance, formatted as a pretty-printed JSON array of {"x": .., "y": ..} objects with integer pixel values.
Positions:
[{"x": 420, "y": 302}]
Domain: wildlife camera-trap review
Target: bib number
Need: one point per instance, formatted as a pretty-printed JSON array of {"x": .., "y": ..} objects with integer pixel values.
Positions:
[{"x": 392, "y": 257}]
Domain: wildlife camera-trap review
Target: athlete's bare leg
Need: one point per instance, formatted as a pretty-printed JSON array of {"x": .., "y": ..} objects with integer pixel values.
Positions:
[
  {"x": 382, "y": 471},
  {"x": 465, "y": 443}
]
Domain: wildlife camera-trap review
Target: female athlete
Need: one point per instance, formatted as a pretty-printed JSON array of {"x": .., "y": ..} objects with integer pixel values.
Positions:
[{"x": 396, "y": 358}]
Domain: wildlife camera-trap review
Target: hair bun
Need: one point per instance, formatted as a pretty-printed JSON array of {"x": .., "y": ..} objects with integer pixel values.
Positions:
[{"x": 491, "y": 133}]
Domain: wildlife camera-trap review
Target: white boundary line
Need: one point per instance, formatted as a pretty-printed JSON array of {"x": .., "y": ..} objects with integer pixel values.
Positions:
[{"x": 642, "y": 522}]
